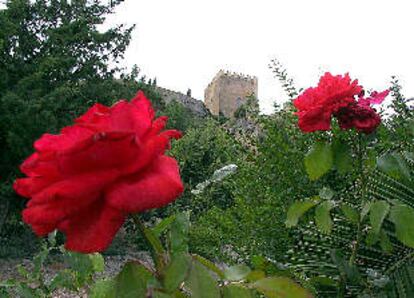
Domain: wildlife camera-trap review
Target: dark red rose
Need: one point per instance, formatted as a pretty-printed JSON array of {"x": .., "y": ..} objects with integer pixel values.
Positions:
[
  {"x": 362, "y": 118},
  {"x": 317, "y": 105},
  {"x": 86, "y": 180}
]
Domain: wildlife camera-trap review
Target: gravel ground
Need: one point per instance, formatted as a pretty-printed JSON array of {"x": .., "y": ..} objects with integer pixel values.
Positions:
[{"x": 113, "y": 265}]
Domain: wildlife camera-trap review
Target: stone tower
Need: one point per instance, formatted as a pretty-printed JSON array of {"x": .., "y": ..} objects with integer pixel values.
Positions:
[{"x": 228, "y": 91}]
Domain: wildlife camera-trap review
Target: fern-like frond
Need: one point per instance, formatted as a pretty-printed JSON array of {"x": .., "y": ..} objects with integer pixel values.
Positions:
[{"x": 385, "y": 274}]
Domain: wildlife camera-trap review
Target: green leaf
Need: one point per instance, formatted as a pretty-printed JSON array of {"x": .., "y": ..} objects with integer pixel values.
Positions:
[
  {"x": 323, "y": 217},
  {"x": 385, "y": 242},
  {"x": 236, "y": 273},
  {"x": 255, "y": 275},
  {"x": 326, "y": 193},
  {"x": 179, "y": 233},
  {"x": 176, "y": 272},
  {"x": 233, "y": 291},
  {"x": 276, "y": 287},
  {"x": 403, "y": 218},
  {"x": 394, "y": 165},
  {"x": 132, "y": 281},
  {"x": 342, "y": 157},
  {"x": 210, "y": 265},
  {"x": 298, "y": 208},
  {"x": 349, "y": 270},
  {"x": 377, "y": 214},
  {"x": 163, "y": 225},
  {"x": 64, "y": 279},
  {"x": 200, "y": 282},
  {"x": 371, "y": 238},
  {"x": 103, "y": 289},
  {"x": 98, "y": 262},
  {"x": 323, "y": 281},
  {"x": 350, "y": 213},
  {"x": 365, "y": 209},
  {"x": 318, "y": 160}
]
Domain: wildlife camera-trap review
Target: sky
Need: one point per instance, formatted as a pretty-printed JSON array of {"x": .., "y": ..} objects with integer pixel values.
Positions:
[{"x": 184, "y": 43}]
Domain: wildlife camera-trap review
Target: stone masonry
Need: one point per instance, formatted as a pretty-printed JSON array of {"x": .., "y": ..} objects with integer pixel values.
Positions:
[{"x": 228, "y": 91}]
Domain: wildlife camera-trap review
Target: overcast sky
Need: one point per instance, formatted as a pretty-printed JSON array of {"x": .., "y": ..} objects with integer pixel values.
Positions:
[{"x": 185, "y": 42}]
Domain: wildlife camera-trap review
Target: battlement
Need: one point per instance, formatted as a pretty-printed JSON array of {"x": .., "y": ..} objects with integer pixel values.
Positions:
[
  {"x": 228, "y": 91},
  {"x": 232, "y": 76}
]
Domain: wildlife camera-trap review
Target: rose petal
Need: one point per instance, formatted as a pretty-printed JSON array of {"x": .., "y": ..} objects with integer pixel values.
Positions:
[
  {"x": 159, "y": 185},
  {"x": 66, "y": 197},
  {"x": 92, "y": 229}
]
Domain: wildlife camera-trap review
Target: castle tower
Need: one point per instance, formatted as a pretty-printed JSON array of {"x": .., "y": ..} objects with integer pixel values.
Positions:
[{"x": 228, "y": 91}]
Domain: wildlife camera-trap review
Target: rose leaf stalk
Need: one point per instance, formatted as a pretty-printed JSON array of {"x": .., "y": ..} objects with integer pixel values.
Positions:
[{"x": 157, "y": 250}]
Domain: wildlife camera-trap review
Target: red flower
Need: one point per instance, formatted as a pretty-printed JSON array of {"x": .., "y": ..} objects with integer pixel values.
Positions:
[
  {"x": 317, "y": 105},
  {"x": 86, "y": 180},
  {"x": 360, "y": 115},
  {"x": 362, "y": 118}
]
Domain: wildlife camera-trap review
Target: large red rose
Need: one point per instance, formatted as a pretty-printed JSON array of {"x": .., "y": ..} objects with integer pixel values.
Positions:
[
  {"x": 362, "y": 118},
  {"x": 316, "y": 106},
  {"x": 86, "y": 180}
]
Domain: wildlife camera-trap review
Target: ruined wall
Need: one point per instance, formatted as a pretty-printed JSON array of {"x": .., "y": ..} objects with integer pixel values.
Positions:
[
  {"x": 228, "y": 91},
  {"x": 194, "y": 105}
]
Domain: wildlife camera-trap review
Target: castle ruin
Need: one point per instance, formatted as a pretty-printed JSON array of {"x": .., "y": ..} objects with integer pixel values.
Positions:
[{"x": 228, "y": 91}]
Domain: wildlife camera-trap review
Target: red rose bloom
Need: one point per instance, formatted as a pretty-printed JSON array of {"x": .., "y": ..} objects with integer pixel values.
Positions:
[
  {"x": 360, "y": 115},
  {"x": 317, "y": 105},
  {"x": 86, "y": 180},
  {"x": 362, "y": 118}
]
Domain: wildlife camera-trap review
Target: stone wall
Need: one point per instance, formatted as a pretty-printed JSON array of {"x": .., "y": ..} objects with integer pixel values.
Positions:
[
  {"x": 194, "y": 105},
  {"x": 228, "y": 91}
]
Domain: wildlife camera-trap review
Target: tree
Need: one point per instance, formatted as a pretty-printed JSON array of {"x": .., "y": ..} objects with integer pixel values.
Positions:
[{"x": 54, "y": 63}]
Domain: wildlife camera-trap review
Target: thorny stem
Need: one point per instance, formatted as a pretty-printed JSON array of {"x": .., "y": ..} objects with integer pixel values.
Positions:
[{"x": 157, "y": 250}]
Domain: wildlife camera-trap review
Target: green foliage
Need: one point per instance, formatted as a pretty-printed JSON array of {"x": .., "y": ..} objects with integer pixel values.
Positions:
[
  {"x": 187, "y": 275},
  {"x": 298, "y": 208},
  {"x": 200, "y": 152},
  {"x": 79, "y": 271},
  {"x": 319, "y": 160}
]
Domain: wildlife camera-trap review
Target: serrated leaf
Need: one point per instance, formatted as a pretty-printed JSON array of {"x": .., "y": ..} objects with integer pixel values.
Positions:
[
  {"x": 377, "y": 214},
  {"x": 233, "y": 291},
  {"x": 297, "y": 209},
  {"x": 342, "y": 157},
  {"x": 103, "y": 289},
  {"x": 236, "y": 273},
  {"x": 385, "y": 242},
  {"x": 403, "y": 218},
  {"x": 319, "y": 160},
  {"x": 323, "y": 216},
  {"x": 326, "y": 193},
  {"x": 176, "y": 272},
  {"x": 276, "y": 287},
  {"x": 200, "y": 282},
  {"x": 394, "y": 165},
  {"x": 179, "y": 233},
  {"x": 132, "y": 281},
  {"x": 350, "y": 213}
]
